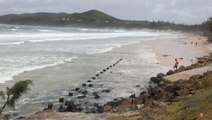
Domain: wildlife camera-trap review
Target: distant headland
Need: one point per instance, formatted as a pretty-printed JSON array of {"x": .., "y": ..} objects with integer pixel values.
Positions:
[{"x": 92, "y": 18}]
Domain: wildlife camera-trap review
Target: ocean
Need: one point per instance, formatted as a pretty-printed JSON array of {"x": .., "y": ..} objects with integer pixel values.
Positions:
[{"x": 58, "y": 59}]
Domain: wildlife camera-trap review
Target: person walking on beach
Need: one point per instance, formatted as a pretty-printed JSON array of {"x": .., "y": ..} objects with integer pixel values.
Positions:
[{"x": 176, "y": 64}]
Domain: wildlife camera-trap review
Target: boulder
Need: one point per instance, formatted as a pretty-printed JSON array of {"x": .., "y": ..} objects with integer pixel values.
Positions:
[
  {"x": 71, "y": 107},
  {"x": 90, "y": 85},
  {"x": 61, "y": 108},
  {"x": 100, "y": 108},
  {"x": 142, "y": 93},
  {"x": 181, "y": 68},
  {"x": 132, "y": 96},
  {"x": 106, "y": 91},
  {"x": 84, "y": 92},
  {"x": 70, "y": 94},
  {"x": 93, "y": 78},
  {"x": 61, "y": 100},
  {"x": 97, "y": 75},
  {"x": 160, "y": 75},
  {"x": 170, "y": 72},
  {"x": 81, "y": 96},
  {"x": 115, "y": 102},
  {"x": 96, "y": 95},
  {"x": 196, "y": 77},
  {"x": 76, "y": 89},
  {"x": 88, "y": 80},
  {"x": 171, "y": 88},
  {"x": 50, "y": 106},
  {"x": 155, "y": 80},
  {"x": 83, "y": 85}
]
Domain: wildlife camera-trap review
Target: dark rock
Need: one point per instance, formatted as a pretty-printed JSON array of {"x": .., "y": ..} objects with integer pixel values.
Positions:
[
  {"x": 97, "y": 75},
  {"x": 90, "y": 85},
  {"x": 196, "y": 77},
  {"x": 160, "y": 75},
  {"x": 200, "y": 61},
  {"x": 61, "y": 100},
  {"x": 20, "y": 117},
  {"x": 81, "y": 96},
  {"x": 84, "y": 92},
  {"x": 96, "y": 95},
  {"x": 181, "y": 68},
  {"x": 71, "y": 107},
  {"x": 111, "y": 66},
  {"x": 137, "y": 86},
  {"x": 70, "y": 94},
  {"x": 170, "y": 72},
  {"x": 108, "y": 68},
  {"x": 69, "y": 102},
  {"x": 114, "y": 64},
  {"x": 155, "y": 80},
  {"x": 100, "y": 108},
  {"x": 83, "y": 85},
  {"x": 115, "y": 102},
  {"x": 106, "y": 91},
  {"x": 142, "y": 93},
  {"x": 171, "y": 88},
  {"x": 50, "y": 106},
  {"x": 101, "y": 72},
  {"x": 92, "y": 110},
  {"x": 88, "y": 80},
  {"x": 132, "y": 96},
  {"x": 61, "y": 109},
  {"x": 76, "y": 89},
  {"x": 104, "y": 70},
  {"x": 93, "y": 78}
]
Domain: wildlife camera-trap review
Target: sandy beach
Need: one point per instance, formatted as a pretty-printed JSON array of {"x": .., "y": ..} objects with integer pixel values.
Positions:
[{"x": 184, "y": 49}]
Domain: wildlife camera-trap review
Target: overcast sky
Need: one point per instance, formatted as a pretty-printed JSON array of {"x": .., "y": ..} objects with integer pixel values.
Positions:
[{"x": 179, "y": 11}]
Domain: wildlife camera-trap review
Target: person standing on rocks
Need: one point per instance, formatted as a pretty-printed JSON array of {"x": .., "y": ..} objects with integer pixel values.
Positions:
[{"x": 176, "y": 64}]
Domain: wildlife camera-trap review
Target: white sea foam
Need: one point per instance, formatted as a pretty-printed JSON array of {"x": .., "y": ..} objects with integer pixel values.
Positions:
[
  {"x": 46, "y": 36},
  {"x": 8, "y": 74},
  {"x": 12, "y": 43}
]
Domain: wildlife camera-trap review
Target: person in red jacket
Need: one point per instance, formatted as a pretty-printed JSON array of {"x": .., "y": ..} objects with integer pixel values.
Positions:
[{"x": 176, "y": 64}]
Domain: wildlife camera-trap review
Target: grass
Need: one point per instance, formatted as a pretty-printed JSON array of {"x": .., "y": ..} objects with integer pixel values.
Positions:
[{"x": 188, "y": 108}]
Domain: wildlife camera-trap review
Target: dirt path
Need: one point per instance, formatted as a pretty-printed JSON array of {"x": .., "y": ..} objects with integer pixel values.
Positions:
[{"x": 185, "y": 75}]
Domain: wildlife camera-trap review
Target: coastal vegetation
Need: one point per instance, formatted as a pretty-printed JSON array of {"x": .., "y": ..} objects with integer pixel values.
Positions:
[
  {"x": 94, "y": 18},
  {"x": 98, "y": 19},
  {"x": 11, "y": 95}
]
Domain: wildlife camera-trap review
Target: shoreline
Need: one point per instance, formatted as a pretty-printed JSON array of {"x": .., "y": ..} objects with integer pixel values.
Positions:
[
  {"x": 186, "y": 53},
  {"x": 127, "y": 55},
  {"x": 122, "y": 108}
]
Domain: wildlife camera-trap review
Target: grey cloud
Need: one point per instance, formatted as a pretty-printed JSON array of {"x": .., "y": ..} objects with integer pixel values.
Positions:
[{"x": 180, "y": 11}]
